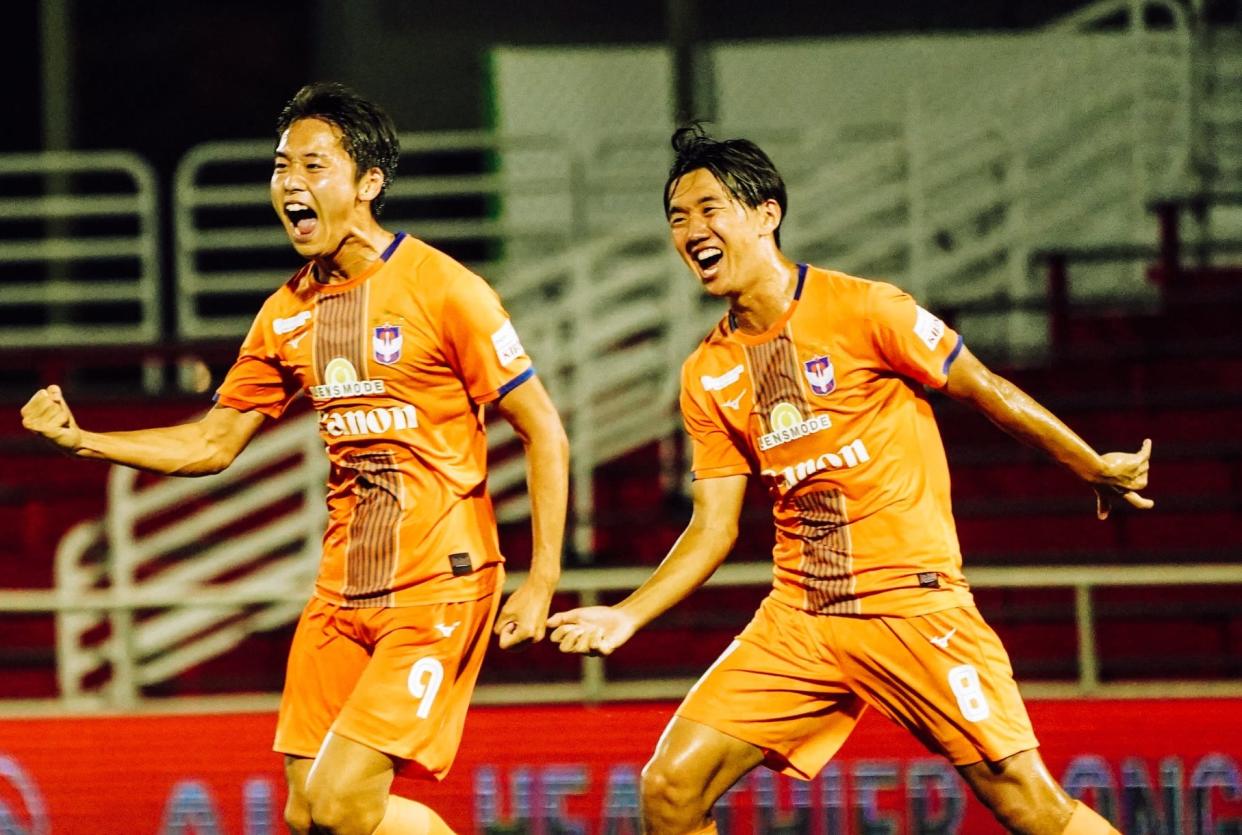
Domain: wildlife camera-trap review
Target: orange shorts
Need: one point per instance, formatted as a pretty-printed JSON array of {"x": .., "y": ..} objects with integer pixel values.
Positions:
[
  {"x": 396, "y": 679},
  {"x": 796, "y": 683}
]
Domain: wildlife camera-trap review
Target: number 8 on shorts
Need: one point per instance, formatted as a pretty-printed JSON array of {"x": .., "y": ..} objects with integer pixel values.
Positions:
[{"x": 964, "y": 681}]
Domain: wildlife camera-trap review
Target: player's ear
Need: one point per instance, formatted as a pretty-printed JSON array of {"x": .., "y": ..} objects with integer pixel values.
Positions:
[
  {"x": 370, "y": 184},
  {"x": 769, "y": 216}
]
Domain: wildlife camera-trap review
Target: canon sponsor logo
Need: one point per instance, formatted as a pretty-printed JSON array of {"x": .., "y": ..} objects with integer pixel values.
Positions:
[
  {"x": 378, "y": 421},
  {"x": 850, "y": 455}
]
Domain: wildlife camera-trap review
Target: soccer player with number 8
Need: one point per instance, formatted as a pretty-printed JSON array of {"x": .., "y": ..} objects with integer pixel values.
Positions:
[{"x": 814, "y": 382}]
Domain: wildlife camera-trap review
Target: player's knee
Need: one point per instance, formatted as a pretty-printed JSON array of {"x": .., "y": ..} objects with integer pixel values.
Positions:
[
  {"x": 342, "y": 813},
  {"x": 669, "y": 794},
  {"x": 297, "y": 817}
]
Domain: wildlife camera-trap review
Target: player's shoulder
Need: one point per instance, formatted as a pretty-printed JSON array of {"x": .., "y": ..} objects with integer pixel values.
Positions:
[
  {"x": 851, "y": 295},
  {"x": 845, "y": 288},
  {"x": 434, "y": 268}
]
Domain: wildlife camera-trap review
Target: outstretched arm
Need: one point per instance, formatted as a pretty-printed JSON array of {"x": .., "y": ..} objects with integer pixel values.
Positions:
[
  {"x": 1114, "y": 475},
  {"x": 533, "y": 416},
  {"x": 695, "y": 556},
  {"x": 202, "y": 448}
]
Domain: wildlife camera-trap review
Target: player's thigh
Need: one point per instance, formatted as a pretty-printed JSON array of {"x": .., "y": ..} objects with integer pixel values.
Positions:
[
  {"x": 410, "y": 702},
  {"x": 696, "y": 761},
  {"x": 326, "y": 658},
  {"x": 779, "y": 689},
  {"x": 945, "y": 677}
]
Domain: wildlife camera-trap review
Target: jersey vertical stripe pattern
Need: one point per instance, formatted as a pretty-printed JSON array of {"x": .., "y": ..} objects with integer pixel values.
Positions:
[
  {"x": 774, "y": 370},
  {"x": 371, "y": 558},
  {"x": 826, "y": 553},
  {"x": 828, "y": 409},
  {"x": 340, "y": 322}
]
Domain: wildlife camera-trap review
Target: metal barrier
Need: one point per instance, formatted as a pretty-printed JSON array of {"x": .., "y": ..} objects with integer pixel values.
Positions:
[
  {"x": 79, "y": 249},
  {"x": 588, "y": 585}
]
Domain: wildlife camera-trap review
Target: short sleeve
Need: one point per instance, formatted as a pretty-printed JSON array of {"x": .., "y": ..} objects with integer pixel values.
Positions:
[
  {"x": 912, "y": 341},
  {"x": 482, "y": 344},
  {"x": 257, "y": 381},
  {"x": 715, "y": 450}
]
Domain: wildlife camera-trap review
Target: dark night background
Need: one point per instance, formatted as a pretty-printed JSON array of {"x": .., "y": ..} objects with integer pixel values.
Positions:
[{"x": 159, "y": 78}]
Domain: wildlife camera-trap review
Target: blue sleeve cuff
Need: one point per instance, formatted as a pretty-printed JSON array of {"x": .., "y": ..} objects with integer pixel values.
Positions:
[{"x": 517, "y": 381}]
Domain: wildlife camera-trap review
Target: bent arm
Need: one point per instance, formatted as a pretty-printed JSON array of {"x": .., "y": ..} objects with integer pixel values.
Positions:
[
  {"x": 204, "y": 447},
  {"x": 201, "y": 448},
  {"x": 1113, "y": 475},
  {"x": 1016, "y": 412},
  {"x": 698, "y": 552}
]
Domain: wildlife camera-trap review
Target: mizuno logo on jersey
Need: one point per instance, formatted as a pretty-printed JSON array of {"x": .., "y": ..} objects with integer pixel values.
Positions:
[
  {"x": 736, "y": 402},
  {"x": 850, "y": 455},
  {"x": 724, "y": 380}
]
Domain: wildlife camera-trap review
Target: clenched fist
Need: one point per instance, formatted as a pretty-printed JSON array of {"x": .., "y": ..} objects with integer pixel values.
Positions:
[{"x": 48, "y": 416}]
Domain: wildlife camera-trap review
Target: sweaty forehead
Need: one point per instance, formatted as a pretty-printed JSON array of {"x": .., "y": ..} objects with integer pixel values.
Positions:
[{"x": 307, "y": 136}]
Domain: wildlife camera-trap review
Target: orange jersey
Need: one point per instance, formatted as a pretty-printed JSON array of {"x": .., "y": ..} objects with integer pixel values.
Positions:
[
  {"x": 398, "y": 362},
  {"x": 828, "y": 408}
]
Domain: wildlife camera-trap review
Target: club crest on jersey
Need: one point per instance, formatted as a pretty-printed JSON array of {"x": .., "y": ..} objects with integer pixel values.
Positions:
[
  {"x": 820, "y": 375},
  {"x": 386, "y": 344}
]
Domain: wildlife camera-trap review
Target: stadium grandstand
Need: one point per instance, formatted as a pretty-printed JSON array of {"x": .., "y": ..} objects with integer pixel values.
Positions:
[{"x": 1061, "y": 182}]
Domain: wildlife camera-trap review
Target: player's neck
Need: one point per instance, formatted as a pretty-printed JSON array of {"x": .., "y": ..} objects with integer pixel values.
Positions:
[
  {"x": 765, "y": 299},
  {"x": 358, "y": 250}
]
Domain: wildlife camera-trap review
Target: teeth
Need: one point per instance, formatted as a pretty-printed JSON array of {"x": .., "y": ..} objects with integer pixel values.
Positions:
[
  {"x": 295, "y": 207},
  {"x": 703, "y": 254}
]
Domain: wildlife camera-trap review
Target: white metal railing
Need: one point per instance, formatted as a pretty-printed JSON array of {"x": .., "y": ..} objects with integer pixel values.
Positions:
[
  {"x": 254, "y": 529},
  {"x": 231, "y": 252},
  {"x": 79, "y": 248},
  {"x": 588, "y": 585}
]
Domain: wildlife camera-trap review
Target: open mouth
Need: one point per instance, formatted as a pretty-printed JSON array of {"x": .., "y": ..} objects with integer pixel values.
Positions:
[
  {"x": 708, "y": 258},
  {"x": 303, "y": 218}
]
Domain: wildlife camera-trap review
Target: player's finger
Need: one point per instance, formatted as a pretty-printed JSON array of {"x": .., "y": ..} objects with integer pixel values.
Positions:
[
  {"x": 1102, "y": 505},
  {"x": 503, "y": 626},
  {"x": 1145, "y": 449},
  {"x": 559, "y": 618},
  {"x": 1138, "y": 501},
  {"x": 564, "y": 638},
  {"x": 580, "y": 643},
  {"x": 511, "y": 639}
]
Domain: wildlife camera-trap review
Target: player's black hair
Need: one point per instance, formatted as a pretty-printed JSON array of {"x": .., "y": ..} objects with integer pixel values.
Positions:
[
  {"x": 740, "y": 165},
  {"x": 367, "y": 134}
]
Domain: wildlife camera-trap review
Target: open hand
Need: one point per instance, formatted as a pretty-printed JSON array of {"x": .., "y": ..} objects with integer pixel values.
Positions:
[
  {"x": 1124, "y": 474},
  {"x": 593, "y": 630},
  {"x": 47, "y": 415}
]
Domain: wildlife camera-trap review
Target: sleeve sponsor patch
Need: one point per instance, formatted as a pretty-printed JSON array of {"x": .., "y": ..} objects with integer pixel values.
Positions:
[
  {"x": 508, "y": 346},
  {"x": 928, "y": 328}
]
